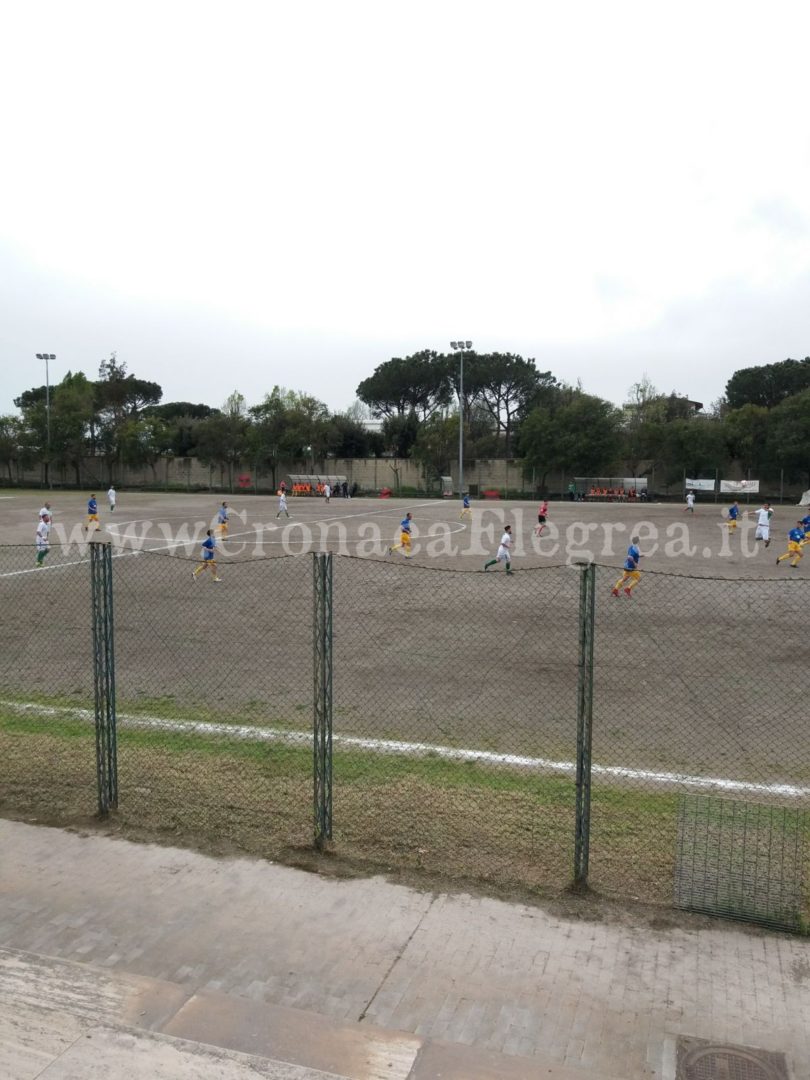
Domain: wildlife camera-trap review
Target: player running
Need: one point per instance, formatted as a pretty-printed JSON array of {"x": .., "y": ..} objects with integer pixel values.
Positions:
[
  {"x": 43, "y": 538},
  {"x": 796, "y": 538},
  {"x": 733, "y": 514},
  {"x": 465, "y": 506},
  {"x": 542, "y": 514},
  {"x": 631, "y": 575},
  {"x": 92, "y": 514},
  {"x": 504, "y": 551},
  {"x": 209, "y": 561},
  {"x": 764, "y": 515},
  {"x": 690, "y": 502},
  {"x": 404, "y": 537},
  {"x": 282, "y": 502},
  {"x": 222, "y": 520},
  {"x": 806, "y": 526}
]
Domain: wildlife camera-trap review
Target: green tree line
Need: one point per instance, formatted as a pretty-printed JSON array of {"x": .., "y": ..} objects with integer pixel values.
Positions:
[{"x": 511, "y": 409}]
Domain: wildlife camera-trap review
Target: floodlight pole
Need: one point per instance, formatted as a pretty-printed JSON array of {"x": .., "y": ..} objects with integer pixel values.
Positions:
[
  {"x": 459, "y": 347},
  {"x": 47, "y": 357}
]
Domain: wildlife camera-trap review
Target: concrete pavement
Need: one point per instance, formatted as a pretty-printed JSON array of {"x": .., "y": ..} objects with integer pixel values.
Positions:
[{"x": 296, "y": 970}]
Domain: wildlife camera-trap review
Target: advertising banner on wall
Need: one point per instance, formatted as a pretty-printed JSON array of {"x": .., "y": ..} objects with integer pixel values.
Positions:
[
  {"x": 700, "y": 485},
  {"x": 740, "y": 487}
]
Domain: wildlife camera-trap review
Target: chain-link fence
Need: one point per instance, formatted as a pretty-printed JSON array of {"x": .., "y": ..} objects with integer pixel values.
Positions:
[
  {"x": 47, "y": 738},
  {"x": 523, "y": 730},
  {"x": 453, "y": 697},
  {"x": 700, "y": 689},
  {"x": 214, "y": 701}
]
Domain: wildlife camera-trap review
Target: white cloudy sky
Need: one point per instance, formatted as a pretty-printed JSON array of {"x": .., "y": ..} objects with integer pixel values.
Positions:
[{"x": 236, "y": 195}]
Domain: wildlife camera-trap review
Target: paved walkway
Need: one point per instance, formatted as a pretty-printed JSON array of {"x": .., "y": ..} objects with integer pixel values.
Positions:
[{"x": 477, "y": 987}]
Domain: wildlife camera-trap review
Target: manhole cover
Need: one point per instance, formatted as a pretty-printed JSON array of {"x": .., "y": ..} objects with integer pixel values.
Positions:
[{"x": 700, "y": 1060}]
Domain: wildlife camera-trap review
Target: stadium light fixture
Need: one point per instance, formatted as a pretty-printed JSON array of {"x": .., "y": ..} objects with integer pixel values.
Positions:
[{"x": 459, "y": 347}]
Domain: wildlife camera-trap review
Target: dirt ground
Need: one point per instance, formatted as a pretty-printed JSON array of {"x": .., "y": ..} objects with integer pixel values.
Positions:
[{"x": 702, "y": 675}]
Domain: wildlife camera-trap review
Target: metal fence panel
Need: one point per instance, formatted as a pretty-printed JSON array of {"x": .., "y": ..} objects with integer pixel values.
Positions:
[
  {"x": 47, "y": 740},
  {"x": 455, "y": 720},
  {"x": 699, "y": 687},
  {"x": 214, "y": 691}
]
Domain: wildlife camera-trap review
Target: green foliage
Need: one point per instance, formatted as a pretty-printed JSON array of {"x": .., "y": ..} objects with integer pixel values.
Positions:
[
  {"x": 768, "y": 385},
  {"x": 418, "y": 383},
  {"x": 11, "y": 442},
  {"x": 436, "y": 444},
  {"x": 582, "y": 436},
  {"x": 504, "y": 387},
  {"x": 399, "y": 434},
  {"x": 789, "y": 436},
  {"x": 509, "y": 408}
]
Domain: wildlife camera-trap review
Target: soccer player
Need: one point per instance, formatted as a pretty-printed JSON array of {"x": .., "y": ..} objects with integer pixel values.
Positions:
[
  {"x": 764, "y": 515},
  {"x": 542, "y": 514},
  {"x": 504, "y": 551},
  {"x": 690, "y": 502},
  {"x": 733, "y": 514},
  {"x": 92, "y": 513},
  {"x": 282, "y": 502},
  {"x": 222, "y": 520},
  {"x": 631, "y": 575},
  {"x": 404, "y": 537},
  {"x": 111, "y": 498},
  {"x": 794, "y": 552},
  {"x": 42, "y": 539},
  {"x": 46, "y": 510},
  {"x": 209, "y": 561},
  {"x": 806, "y": 527},
  {"x": 465, "y": 506},
  {"x": 327, "y": 492}
]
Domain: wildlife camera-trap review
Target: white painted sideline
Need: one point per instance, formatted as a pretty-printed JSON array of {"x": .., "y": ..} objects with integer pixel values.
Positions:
[{"x": 413, "y": 749}]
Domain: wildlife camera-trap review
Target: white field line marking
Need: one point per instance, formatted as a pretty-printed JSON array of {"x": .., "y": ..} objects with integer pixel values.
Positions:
[
  {"x": 271, "y": 526},
  {"x": 413, "y": 749},
  {"x": 61, "y": 566},
  {"x": 194, "y": 543}
]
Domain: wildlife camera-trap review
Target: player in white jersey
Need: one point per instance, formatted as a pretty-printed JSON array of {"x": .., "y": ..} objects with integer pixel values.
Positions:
[
  {"x": 690, "y": 502},
  {"x": 504, "y": 551},
  {"x": 763, "y": 516},
  {"x": 111, "y": 497},
  {"x": 282, "y": 504},
  {"x": 43, "y": 538}
]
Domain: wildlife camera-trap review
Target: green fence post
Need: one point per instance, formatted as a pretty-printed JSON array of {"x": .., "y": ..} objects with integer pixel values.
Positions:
[
  {"x": 101, "y": 590},
  {"x": 322, "y": 697},
  {"x": 587, "y": 609}
]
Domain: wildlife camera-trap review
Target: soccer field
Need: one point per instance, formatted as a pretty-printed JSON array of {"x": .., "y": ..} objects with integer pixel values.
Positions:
[
  {"x": 700, "y": 678},
  {"x": 672, "y": 540}
]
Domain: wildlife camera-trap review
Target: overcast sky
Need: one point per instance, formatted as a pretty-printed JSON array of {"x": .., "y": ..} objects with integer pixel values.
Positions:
[{"x": 235, "y": 195}]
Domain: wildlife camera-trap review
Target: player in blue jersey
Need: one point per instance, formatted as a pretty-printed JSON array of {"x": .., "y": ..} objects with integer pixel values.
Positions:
[
  {"x": 805, "y": 523},
  {"x": 92, "y": 513},
  {"x": 796, "y": 537},
  {"x": 209, "y": 560},
  {"x": 465, "y": 506},
  {"x": 631, "y": 575},
  {"x": 404, "y": 537},
  {"x": 733, "y": 515},
  {"x": 222, "y": 520}
]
